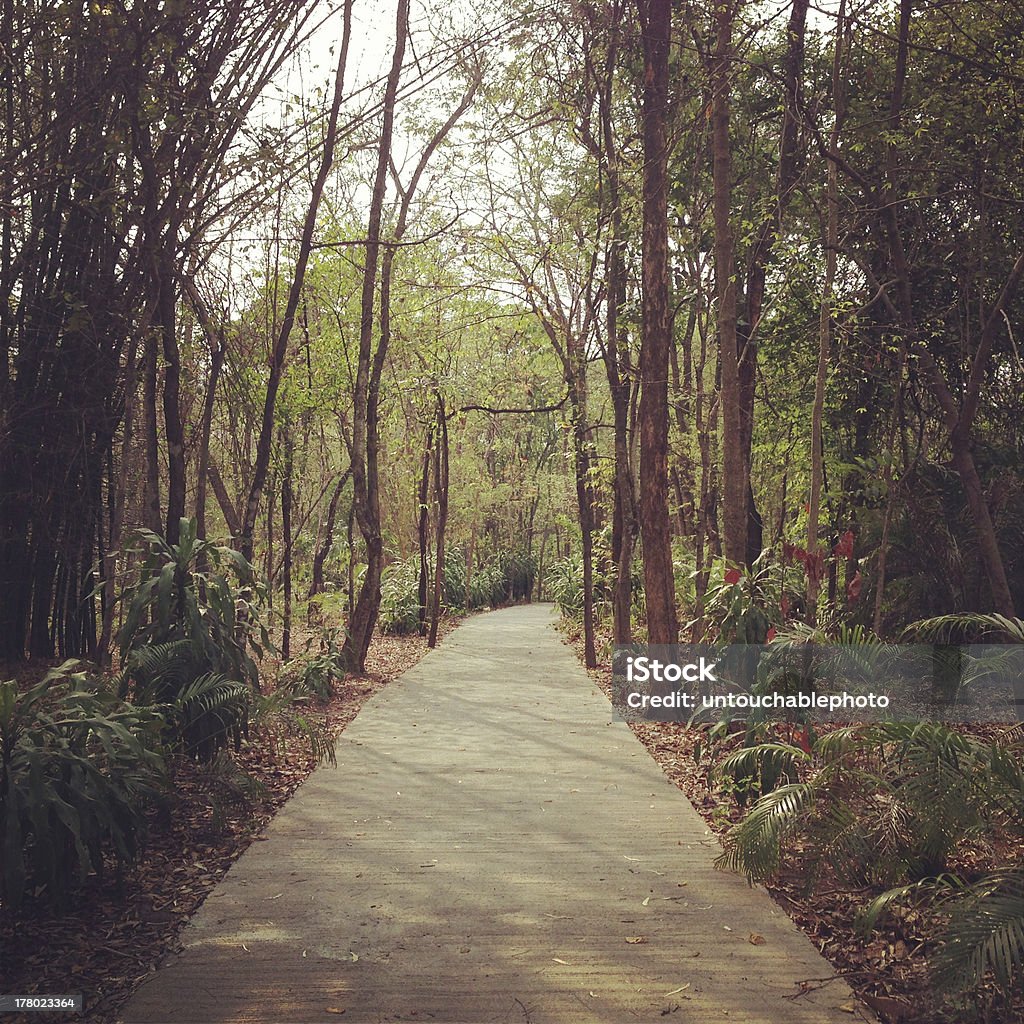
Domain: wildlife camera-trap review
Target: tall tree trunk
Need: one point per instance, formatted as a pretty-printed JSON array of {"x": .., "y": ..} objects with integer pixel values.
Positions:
[
  {"x": 366, "y": 498},
  {"x": 174, "y": 429},
  {"x": 441, "y": 487},
  {"x": 422, "y": 534},
  {"x": 152, "y": 516},
  {"x": 286, "y": 539},
  {"x": 655, "y": 526},
  {"x": 116, "y": 490},
  {"x": 734, "y": 469},
  {"x": 584, "y": 499},
  {"x": 616, "y": 359},
  {"x": 203, "y": 470},
  {"x": 215, "y": 341},
  {"x": 763, "y": 252},
  {"x": 831, "y": 244},
  {"x": 370, "y": 367},
  {"x": 269, "y": 565}
]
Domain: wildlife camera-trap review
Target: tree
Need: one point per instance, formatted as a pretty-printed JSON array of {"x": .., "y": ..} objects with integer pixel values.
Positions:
[{"x": 653, "y": 421}]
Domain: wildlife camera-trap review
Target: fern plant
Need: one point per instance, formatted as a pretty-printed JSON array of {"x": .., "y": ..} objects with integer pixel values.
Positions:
[
  {"x": 190, "y": 633},
  {"x": 890, "y": 804},
  {"x": 77, "y": 770},
  {"x": 315, "y": 673},
  {"x": 199, "y": 592},
  {"x": 943, "y": 628}
]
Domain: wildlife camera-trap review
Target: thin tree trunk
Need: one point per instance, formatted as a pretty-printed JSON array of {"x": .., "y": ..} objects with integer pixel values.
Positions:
[
  {"x": 423, "y": 524},
  {"x": 269, "y": 567},
  {"x": 286, "y": 539},
  {"x": 320, "y": 558},
  {"x": 584, "y": 500},
  {"x": 227, "y": 506},
  {"x": 370, "y": 366},
  {"x": 217, "y": 353},
  {"x": 152, "y": 516},
  {"x": 470, "y": 552},
  {"x": 734, "y": 475},
  {"x": 831, "y": 244},
  {"x": 366, "y": 499},
  {"x": 174, "y": 429},
  {"x": 279, "y": 354},
  {"x": 763, "y": 252},
  {"x": 116, "y": 486},
  {"x": 441, "y": 487}
]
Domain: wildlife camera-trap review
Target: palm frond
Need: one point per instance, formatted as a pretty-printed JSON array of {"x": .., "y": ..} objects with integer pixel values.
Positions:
[
  {"x": 985, "y": 935},
  {"x": 754, "y": 846},
  {"x": 942, "y": 628}
]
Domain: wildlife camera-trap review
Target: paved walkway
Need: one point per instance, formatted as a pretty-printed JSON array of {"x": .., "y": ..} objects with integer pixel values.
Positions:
[{"x": 490, "y": 848}]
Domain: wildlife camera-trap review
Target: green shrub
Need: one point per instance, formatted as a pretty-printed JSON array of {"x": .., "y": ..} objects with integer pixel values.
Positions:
[
  {"x": 454, "y": 580},
  {"x": 520, "y": 573},
  {"x": 200, "y": 592},
  {"x": 891, "y": 804},
  {"x": 193, "y": 617},
  {"x": 486, "y": 587},
  {"x": 565, "y": 585},
  {"x": 77, "y": 769},
  {"x": 399, "y": 599},
  {"x": 314, "y": 673}
]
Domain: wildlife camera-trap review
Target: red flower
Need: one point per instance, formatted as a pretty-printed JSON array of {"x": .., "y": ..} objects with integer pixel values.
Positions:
[
  {"x": 732, "y": 577},
  {"x": 814, "y": 566},
  {"x": 844, "y": 549},
  {"x": 790, "y": 552}
]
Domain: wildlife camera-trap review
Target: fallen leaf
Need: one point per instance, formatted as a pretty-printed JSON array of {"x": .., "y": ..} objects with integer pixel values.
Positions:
[
  {"x": 557, "y": 961},
  {"x": 355, "y": 956},
  {"x": 636, "y": 940},
  {"x": 892, "y": 1011},
  {"x": 647, "y": 899},
  {"x": 334, "y": 1009},
  {"x": 756, "y": 940},
  {"x": 847, "y": 1008}
]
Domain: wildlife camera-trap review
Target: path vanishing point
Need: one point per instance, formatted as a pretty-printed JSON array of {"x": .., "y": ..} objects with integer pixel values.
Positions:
[{"x": 492, "y": 847}]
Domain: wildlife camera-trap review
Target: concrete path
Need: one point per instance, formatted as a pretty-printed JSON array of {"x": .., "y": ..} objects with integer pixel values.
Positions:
[{"x": 490, "y": 848}]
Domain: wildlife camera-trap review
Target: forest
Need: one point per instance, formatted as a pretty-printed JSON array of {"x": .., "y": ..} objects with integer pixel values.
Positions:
[{"x": 325, "y": 322}]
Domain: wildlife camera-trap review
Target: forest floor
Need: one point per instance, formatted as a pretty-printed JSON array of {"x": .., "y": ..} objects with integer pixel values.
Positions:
[
  {"x": 120, "y": 929},
  {"x": 888, "y": 967}
]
